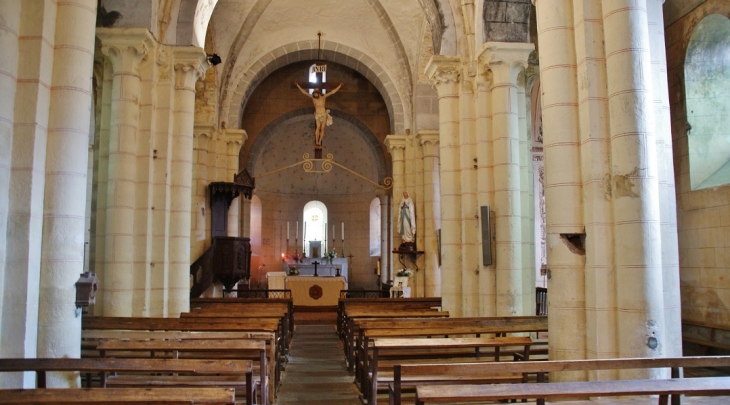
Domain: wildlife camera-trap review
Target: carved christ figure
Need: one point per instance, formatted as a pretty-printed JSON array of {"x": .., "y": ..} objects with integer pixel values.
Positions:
[{"x": 322, "y": 116}]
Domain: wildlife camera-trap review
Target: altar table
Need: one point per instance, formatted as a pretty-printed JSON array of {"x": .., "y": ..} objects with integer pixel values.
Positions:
[{"x": 315, "y": 291}]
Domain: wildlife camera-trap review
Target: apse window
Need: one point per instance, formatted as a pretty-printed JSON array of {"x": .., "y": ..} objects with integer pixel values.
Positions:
[{"x": 707, "y": 85}]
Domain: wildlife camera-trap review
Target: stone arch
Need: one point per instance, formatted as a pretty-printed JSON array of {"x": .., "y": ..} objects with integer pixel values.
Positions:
[
  {"x": 306, "y": 114},
  {"x": 399, "y": 107}
]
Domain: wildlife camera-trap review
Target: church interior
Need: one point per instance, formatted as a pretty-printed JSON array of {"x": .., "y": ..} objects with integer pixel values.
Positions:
[{"x": 510, "y": 158}]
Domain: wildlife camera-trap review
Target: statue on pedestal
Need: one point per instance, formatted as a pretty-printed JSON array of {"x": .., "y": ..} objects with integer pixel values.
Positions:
[{"x": 407, "y": 223}]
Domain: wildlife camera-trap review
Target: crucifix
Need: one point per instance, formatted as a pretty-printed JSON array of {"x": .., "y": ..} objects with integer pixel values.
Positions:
[
  {"x": 315, "y": 263},
  {"x": 320, "y": 92}
]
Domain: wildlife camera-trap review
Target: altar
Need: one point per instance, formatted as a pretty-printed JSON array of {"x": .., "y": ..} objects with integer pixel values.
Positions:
[
  {"x": 315, "y": 291},
  {"x": 324, "y": 268}
]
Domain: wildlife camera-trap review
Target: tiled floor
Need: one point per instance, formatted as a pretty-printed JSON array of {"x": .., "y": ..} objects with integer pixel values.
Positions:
[{"x": 316, "y": 375}]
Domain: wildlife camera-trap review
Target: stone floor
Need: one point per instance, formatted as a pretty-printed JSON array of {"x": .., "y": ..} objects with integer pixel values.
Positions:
[{"x": 316, "y": 374}]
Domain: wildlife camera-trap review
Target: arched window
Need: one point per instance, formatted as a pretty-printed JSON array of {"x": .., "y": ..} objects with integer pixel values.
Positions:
[
  {"x": 707, "y": 85},
  {"x": 315, "y": 229},
  {"x": 375, "y": 228}
]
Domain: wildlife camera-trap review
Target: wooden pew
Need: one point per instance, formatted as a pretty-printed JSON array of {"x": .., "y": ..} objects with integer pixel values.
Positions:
[
  {"x": 196, "y": 325},
  {"x": 100, "y": 396},
  {"x": 432, "y": 348},
  {"x": 458, "y": 371},
  {"x": 368, "y": 329},
  {"x": 391, "y": 303},
  {"x": 239, "y": 370},
  {"x": 394, "y": 314},
  {"x": 449, "y": 394},
  {"x": 246, "y": 305},
  {"x": 254, "y": 350}
]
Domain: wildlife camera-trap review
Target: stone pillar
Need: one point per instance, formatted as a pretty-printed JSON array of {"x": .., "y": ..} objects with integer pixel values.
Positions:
[
  {"x": 234, "y": 139},
  {"x": 667, "y": 198},
  {"x": 443, "y": 72},
  {"x": 200, "y": 208},
  {"x": 102, "y": 178},
  {"x": 64, "y": 204},
  {"x": 190, "y": 64},
  {"x": 384, "y": 239},
  {"x": 505, "y": 60},
  {"x": 429, "y": 141},
  {"x": 468, "y": 201},
  {"x": 600, "y": 282},
  {"x": 19, "y": 264},
  {"x": 125, "y": 48},
  {"x": 527, "y": 219},
  {"x": 638, "y": 243},
  {"x": 485, "y": 188},
  {"x": 563, "y": 191},
  {"x": 10, "y": 26},
  {"x": 396, "y": 144}
]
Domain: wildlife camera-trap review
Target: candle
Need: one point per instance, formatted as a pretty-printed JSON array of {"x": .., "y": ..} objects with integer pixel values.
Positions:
[
  {"x": 287, "y": 230},
  {"x": 333, "y": 232},
  {"x": 343, "y": 231},
  {"x": 378, "y": 263},
  {"x": 297, "y": 235}
]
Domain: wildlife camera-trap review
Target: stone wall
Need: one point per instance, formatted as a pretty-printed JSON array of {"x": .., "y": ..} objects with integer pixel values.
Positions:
[{"x": 703, "y": 215}]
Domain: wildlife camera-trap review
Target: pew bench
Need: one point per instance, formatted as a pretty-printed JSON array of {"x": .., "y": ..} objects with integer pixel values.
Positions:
[
  {"x": 364, "y": 329},
  {"x": 427, "y": 349},
  {"x": 238, "y": 371},
  {"x": 266, "y": 325},
  {"x": 219, "y": 349},
  {"x": 449, "y": 394},
  {"x": 101, "y": 396},
  {"x": 456, "y": 371},
  {"x": 389, "y": 303}
]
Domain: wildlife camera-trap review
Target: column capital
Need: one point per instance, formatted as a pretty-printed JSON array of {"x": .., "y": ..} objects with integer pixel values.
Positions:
[
  {"x": 190, "y": 65},
  {"x": 235, "y": 136},
  {"x": 395, "y": 142},
  {"x": 429, "y": 140},
  {"x": 443, "y": 72},
  {"x": 505, "y": 59},
  {"x": 204, "y": 130},
  {"x": 125, "y": 47}
]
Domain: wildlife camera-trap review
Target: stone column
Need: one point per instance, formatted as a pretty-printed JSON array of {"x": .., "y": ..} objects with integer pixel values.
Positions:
[
  {"x": 429, "y": 141},
  {"x": 638, "y": 243},
  {"x": 443, "y": 72},
  {"x": 468, "y": 201},
  {"x": 200, "y": 208},
  {"x": 667, "y": 197},
  {"x": 125, "y": 48},
  {"x": 234, "y": 139},
  {"x": 527, "y": 219},
  {"x": 64, "y": 204},
  {"x": 19, "y": 215},
  {"x": 600, "y": 282},
  {"x": 505, "y": 60},
  {"x": 485, "y": 188},
  {"x": 190, "y": 64},
  {"x": 10, "y": 26},
  {"x": 384, "y": 239},
  {"x": 102, "y": 178},
  {"x": 563, "y": 191},
  {"x": 396, "y": 144}
]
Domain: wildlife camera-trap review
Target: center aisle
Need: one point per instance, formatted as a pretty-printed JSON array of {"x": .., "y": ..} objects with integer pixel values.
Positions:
[{"x": 316, "y": 373}]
